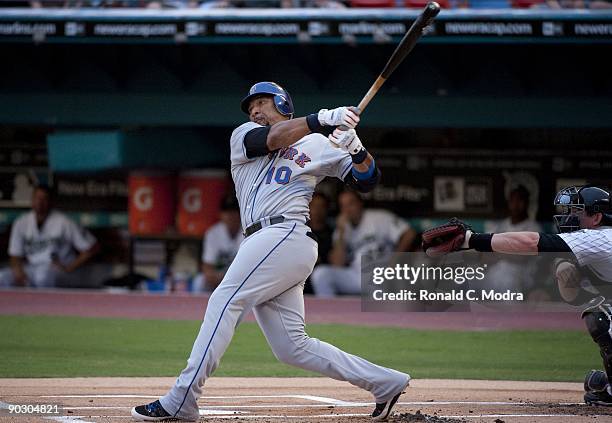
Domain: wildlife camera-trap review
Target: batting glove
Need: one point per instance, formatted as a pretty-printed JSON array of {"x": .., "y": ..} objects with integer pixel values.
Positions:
[
  {"x": 347, "y": 140},
  {"x": 347, "y": 116}
]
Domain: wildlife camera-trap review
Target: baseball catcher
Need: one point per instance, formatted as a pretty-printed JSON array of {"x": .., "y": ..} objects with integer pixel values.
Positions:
[{"x": 585, "y": 236}]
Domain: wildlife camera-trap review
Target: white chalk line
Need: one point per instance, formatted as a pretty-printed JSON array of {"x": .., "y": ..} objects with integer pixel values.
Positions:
[
  {"x": 208, "y": 407},
  {"x": 306, "y": 397},
  {"x": 65, "y": 419},
  {"x": 222, "y": 414},
  {"x": 203, "y": 411},
  {"x": 230, "y": 412},
  {"x": 325, "y": 400},
  {"x": 356, "y": 404}
]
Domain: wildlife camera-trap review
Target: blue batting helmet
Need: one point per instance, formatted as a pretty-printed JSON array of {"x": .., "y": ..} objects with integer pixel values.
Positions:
[{"x": 282, "y": 99}]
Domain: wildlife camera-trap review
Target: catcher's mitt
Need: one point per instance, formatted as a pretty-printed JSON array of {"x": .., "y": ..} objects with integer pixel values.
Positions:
[{"x": 445, "y": 238}]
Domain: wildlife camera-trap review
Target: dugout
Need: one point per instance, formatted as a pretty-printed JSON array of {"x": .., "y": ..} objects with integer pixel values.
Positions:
[{"x": 485, "y": 98}]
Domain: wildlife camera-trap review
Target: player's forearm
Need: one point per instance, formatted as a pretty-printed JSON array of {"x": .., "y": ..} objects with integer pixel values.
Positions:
[
  {"x": 364, "y": 175},
  {"x": 337, "y": 256},
  {"x": 365, "y": 165},
  {"x": 515, "y": 242},
  {"x": 83, "y": 258},
  {"x": 406, "y": 241},
  {"x": 507, "y": 243},
  {"x": 285, "y": 133},
  {"x": 213, "y": 277},
  {"x": 17, "y": 266}
]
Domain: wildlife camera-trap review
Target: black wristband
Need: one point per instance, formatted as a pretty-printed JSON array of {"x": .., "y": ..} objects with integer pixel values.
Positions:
[
  {"x": 481, "y": 242},
  {"x": 313, "y": 123},
  {"x": 359, "y": 157}
]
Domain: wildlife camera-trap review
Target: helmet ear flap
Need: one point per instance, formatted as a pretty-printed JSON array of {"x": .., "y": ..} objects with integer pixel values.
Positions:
[{"x": 283, "y": 105}]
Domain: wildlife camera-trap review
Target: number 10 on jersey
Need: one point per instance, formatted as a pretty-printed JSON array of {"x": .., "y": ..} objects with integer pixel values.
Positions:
[{"x": 281, "y": 175}]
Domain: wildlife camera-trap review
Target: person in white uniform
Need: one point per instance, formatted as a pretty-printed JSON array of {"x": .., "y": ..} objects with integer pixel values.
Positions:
[
  {"x": 583, "y": 272},
  {"x": 42, "y": 247},
  {"x": 512, "y": 272},
  {"x": 220, "y": 246},
  {"x": 276, "y": 162},
  {"x": 360, "y": 234}
]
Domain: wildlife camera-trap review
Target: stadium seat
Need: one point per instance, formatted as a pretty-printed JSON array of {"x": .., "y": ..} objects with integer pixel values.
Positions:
[
  {"x": 445, "y": 4},
  {"x": 526, "y": 3},
  {"x": 373, "y": 3}
]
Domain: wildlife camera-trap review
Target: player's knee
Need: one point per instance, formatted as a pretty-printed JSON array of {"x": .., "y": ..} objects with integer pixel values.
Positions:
[
  {"x": 225, "y": 294},
  {"x": 290, "y": 350},
  {"x": 283, "y": 354}
]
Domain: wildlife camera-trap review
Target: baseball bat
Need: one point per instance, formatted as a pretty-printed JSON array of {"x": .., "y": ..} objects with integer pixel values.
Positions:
[{"x": 401, "y": 51}]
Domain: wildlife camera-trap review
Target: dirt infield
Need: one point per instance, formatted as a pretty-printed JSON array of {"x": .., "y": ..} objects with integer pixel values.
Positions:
[{"x": 304, "y": 399}]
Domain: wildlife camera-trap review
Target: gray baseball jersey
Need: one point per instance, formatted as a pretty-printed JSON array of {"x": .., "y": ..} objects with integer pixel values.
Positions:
[
  {"x": 268, "y": 274},
  {"x": 282, "y": 183}
]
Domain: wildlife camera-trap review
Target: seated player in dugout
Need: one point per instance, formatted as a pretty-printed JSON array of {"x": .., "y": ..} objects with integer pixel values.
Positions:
[
  {"x": 42, "y": 247},
  {"x": 276, "y": 162},
  {"x": 220, "y": 245},
  {"x": 584, "y": 275},
  {"x": 512, "y": 272},
  {"x": 360, "y": 232},
  {"x": 322, "y": 230}
]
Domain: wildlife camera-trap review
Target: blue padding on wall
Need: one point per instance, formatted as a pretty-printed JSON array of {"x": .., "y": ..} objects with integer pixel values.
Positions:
[{"x": 91, "y": 151}]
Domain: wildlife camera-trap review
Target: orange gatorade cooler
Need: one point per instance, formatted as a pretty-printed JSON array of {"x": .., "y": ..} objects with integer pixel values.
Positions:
[
  {"x": 151, "y": 202},
  {"x": 200, "y": 195}
]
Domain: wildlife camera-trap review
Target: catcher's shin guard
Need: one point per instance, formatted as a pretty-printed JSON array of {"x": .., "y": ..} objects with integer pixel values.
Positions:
[
  {"x": 595, "y": 381},
  {"x": 598, "y": 324}
]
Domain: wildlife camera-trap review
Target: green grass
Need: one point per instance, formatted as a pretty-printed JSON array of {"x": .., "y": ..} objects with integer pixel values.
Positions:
[{"x": 71, "y": 346}]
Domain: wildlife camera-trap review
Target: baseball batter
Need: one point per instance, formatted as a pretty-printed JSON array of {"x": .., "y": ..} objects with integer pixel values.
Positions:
[
  {"x": 585, "y": 227},
  {"x": 276, "y": 162}
]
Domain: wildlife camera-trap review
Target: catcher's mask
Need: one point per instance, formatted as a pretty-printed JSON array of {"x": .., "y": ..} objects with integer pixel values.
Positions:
[{"x": 573, "y": 201}]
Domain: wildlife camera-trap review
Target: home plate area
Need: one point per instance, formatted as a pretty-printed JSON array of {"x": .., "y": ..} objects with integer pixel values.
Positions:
[{"x": 303, "y": 399}]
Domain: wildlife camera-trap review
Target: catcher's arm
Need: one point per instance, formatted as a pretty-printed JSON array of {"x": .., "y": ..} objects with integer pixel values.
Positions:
[
  {"x": 524, "y": 243},
  {"x": 512, "y": 242},
  {"x": 456, "y": 235}
]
